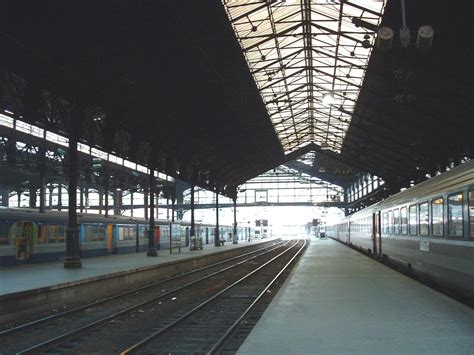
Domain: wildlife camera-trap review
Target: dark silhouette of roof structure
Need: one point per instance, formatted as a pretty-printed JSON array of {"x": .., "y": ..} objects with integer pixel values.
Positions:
[{"x": 166, "y": 83}]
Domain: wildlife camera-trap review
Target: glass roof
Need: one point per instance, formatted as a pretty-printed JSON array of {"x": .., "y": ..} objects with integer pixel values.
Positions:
[{"x": 301, "y": 51}]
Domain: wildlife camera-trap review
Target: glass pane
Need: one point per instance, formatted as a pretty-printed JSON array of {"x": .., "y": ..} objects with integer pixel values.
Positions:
[
  {"x": 384, "y": 223},
  {"x": 471, "y": 212},
  {"x": 437, "y": 217},
  {"x": 390, "y": 222},
  {"x": 4, "y": 233},
  {"x": 396, "y": 221},
  {"x": 413, "y": 222},
  {"x": 424, "y": 219},
  {"x": 42, "y": 235},
  {"x": 455, "y": 218},
  {"x": 404, "y": 220}
]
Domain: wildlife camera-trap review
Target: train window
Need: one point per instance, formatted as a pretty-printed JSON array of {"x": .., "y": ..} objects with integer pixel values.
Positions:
[
  {"x": 51, "y": 234},
  {"x": 143, "y": 232},
  {"x": 413, "y": 220},
  {"x": 471, "y": 213},
  {"x": 385, "y": 223},
  {"x": 455, "y": 217},
  {"x": 126, "y": 232},
  {"x": 42, "y": 234},
  {"x": 94, "y": 232},
  {"x": 4, "y": 233},
  {"x": 396, "y": 221},
  {"x": 390, "y": 222},
  {"x": 404, "y": 220},
  {"x": 424, "y": 219},
  {"x": 437, "y": 217}
]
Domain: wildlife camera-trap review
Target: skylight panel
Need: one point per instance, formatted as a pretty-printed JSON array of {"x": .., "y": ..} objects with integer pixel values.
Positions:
[{"x": 299, "y": 51}]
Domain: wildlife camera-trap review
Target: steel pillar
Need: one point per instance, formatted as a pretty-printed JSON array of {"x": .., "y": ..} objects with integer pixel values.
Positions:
[
  {"x": 235, "y": 237},
  {"x": 50, "y": 196},
  {"x": 106, "y": 195},
  {"x": 192, "y": 233},
  {"x": 32, "y": 198},
  {"x": 151, "y": 229},
  {"x": 42, "y": 194},
  {"x": 73, "y": 259},
  {"x": 217, "y": 241},
  {"x": 117, "y": 202},
  {"x": 101, "y": 199},
  {"x": 81, "y": 197},
  {"x": 60, "y": 197},
  {"x": 5, "y": 197},
  {"x": 131, "y": 205},
  {"x": 145, "y": 202}
]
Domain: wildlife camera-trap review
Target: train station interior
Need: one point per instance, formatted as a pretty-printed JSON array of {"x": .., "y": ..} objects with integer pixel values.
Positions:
[{"x": 137, "y": 134}]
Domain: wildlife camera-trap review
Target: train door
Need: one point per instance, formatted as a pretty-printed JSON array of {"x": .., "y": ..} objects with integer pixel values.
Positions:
[
  {"x": 111, "y": 239},
  {"x": 376, "y": 235},
  {"x": 24, "y": 234},
  {"x": 157, "y": 237},
  {"x": 187, "y": 236}
]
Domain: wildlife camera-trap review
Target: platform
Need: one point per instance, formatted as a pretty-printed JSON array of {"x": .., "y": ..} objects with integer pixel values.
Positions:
[
  {"x": 53, "y": 274},
  {"x": 339, "y": 301}
]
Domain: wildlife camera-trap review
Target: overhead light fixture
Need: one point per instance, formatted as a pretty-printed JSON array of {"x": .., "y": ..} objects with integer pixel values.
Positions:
[
  {"x": 325, "y": 146},
  {"x": 425, "y": 37},
  {"x": 384, "y": 38},
  {"x": 328, "y": 99}
]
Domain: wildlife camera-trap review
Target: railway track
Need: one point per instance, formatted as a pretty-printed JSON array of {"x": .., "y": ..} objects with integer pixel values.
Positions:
[
  {"x": 69, "y": 325},
  {"x": 208, "y": 327}
]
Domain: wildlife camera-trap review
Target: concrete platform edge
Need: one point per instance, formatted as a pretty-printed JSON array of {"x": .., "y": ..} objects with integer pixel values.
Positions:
[{"x": 20, "y": 304}]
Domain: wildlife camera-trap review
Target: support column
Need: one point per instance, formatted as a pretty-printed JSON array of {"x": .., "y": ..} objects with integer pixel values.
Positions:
[
  {"x": 73, "y": 259},
  {"x": 100, "y": 192},
  {"x": 50, "y": 197},
  {"x": 167, "y": 209},
  {"x": 151, "y": 230},
  {"x": 18, "y": 194},
  {"x": 42, "y": 194},
  {"x": 106, "y": 195},
  {"x": 81, "y": 198},
  {"x": 235, "y": 237},
  {"x": 145, "y": 202},
  {"x": 192, "y": 233},
  {"x": 86, "y": 195},
  {"x": 5, "y": 197},
  {"x": 217, "y": 238},
  {"x": 32, "y": 197},
  {"x": 117, "y": 202},
  {"x": 173, "y": 201},
  {"x": 60, "y": 197},
  {"x": 131, "y": 204}
]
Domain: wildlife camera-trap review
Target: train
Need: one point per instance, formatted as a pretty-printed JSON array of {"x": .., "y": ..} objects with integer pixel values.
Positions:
[
  {"x": 426, "y": 231},
  {"x": 27, "y": 236}
]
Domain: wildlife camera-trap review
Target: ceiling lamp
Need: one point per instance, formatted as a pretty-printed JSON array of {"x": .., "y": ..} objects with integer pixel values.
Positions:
[
  {"x": 384, "y": 38},
  {"x": 425, "y": 37},
  {"x": 328, "y": 99},
  {"x": 325, "y": 146}
]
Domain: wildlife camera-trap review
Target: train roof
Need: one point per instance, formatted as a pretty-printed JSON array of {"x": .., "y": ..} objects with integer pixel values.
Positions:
[
  {"x": 60, "y": 216},
  {"x": 458, "y": 177}
]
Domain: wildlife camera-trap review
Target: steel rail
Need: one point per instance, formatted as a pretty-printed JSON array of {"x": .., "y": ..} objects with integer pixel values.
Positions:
[
  {"x": 218, "y": 345},
  {"x": 111, "y": 298},
  {"x": 147, "y": 339},
  {"x": 74, "y": 333}
]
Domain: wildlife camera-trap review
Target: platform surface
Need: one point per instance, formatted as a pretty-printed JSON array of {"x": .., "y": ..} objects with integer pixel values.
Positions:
[
  {"x": 339, "y": 301},
  {"x": 34, "y": 276}
]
